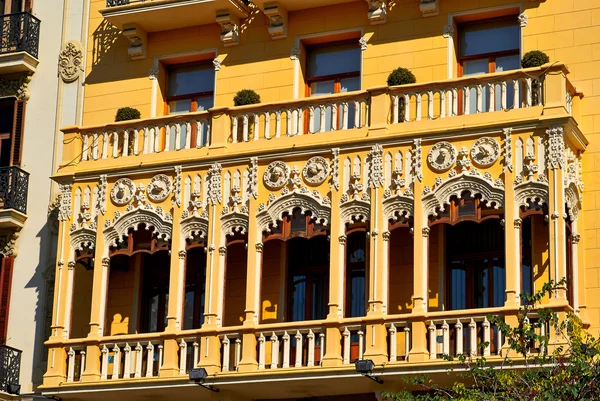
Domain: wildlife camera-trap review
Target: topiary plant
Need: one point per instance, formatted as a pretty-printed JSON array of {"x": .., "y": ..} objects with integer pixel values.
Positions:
[
  {"x": 534, "y": 58},
  {"x": 127, "y": 113},
  {"x": 246, "y": 96},
  {"x": 401, "y": 76}
]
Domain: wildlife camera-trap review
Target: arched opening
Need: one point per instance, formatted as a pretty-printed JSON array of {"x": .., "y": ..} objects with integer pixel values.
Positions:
[
  {"x": 138, "y": 288},
  {"x": 401, "y": 268},
  {"x": 474, "y": 253},
  {"x": 195, "y": 283},
  {"x": 236, "y": 273},
  {"x": 82, "y": 293},
  {"x": 357, "y": 261},
  {"x": 296, "y": 252}
]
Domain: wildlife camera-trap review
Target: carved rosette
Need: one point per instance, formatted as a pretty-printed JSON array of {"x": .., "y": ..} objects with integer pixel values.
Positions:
[
  {"x": 441, "y": 156},
  {"x": 70, "y": 60},
  {"x": 485, "y": 151},
  {"x": 159, "y": 187},
  {"x": 122, "y": 191},
  {"x": 276, "y": 175},
  {"x": 316, "y": 170}
]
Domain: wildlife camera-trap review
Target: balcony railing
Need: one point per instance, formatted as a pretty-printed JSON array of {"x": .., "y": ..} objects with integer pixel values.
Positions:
[
  {"x": 114, "y": 3},
  {"x": 14, "y": 184},
  {"x": 10, "y": 368},
  {"x": 407, "y": 105},
  {"x": 20, "y": 33}
]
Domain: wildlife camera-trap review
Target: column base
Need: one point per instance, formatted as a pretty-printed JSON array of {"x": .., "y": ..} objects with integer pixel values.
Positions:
[
  {"x": 333, "y": 349},
  {"x": 418, "y": 352},
  {"x": 170, "y": 365},
  {"x": 249, "y": 362},
  {"x": 92, "y": 365},
  {"x": 377, "y": 346}
]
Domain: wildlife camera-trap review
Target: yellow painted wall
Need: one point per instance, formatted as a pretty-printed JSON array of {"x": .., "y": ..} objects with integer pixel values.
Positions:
[{"x": 567, "y": 30}]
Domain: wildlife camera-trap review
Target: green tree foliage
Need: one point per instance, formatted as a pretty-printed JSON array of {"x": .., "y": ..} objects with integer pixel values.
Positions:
[{"x": 534, "y": 367}]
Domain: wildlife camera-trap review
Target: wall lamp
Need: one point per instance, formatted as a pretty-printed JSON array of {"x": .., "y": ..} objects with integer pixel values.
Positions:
[
  {"x": 365, "y": 367},
  {"x": 198, "y": 375}
]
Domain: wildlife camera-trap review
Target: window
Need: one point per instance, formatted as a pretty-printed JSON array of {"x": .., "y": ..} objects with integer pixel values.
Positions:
[
  {"x": 195, "y": 286},
  {"x": 15, "y": 6},
  {"x": 333, "y": 68},
  {"x": 11, "y": 132},
  {"x": 488, "y": 46},
  {"x": 155, "y": 292},
  {"x": 356, "y": 268},
  {"x": 190, "y": 87}
]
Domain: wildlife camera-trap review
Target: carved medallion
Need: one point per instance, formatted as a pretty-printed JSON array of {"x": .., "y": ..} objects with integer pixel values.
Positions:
[
  {"x": 69, "y": 61},
  {"x": 441, "y": 156},
  {"x": 122, "y": 191},
  {"x": 316, "y": 170},
  {"x": 159, "y": 187},
  {"x": 276, "y": 175},
  {"x": 485, "y": 151}
]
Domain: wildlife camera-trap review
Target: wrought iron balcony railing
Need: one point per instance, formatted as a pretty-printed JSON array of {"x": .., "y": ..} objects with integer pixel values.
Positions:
[
  {"x": 114, "y": 3},
  {"x": 10, "y": 367},
  {"x": 20, "y": 33},
  {"x": 14, "y": 183}
]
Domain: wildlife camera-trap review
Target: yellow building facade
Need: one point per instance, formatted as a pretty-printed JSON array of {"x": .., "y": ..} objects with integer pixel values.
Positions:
[{"x": 340, "y": 218}]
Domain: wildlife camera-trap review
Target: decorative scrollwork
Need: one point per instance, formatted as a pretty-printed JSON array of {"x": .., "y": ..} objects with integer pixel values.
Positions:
[
  {"x": 485, "y": 151},
  {"x": 316, "y": 170},
  {"x": 159, "y": 187},
  {"x": 122, "y": 191},
  {"x": 276, "y": 175},
  {"x": 70, "y": 60},
  {"x": 441, "y": 156}
]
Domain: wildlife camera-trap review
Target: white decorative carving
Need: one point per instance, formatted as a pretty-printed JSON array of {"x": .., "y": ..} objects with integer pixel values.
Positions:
[
  {"x": 417, "y": 162},
  {"x": 278, "y": 19},
  {"x": 177, "y": 187},
  {"x": 436, "y": 200},
  {"x": 355, "y": 186},
  {"x": 529, "y": 167},
  {"x": 83, "y": 238},
  {"x": 573, "y": 200},
  {"x": 103, "y": 187},
  {"x": 463, "y": 160},
  {"x": 377, "y": 11},
  {"x": 523, "y": 19},
  {"x": 441, "y": 156},
  {"x": 276, "y": 175},
  {"x": 70, "y": 60},
  {"x": 430, "y": 8},
  {"x": 217, "y": 64},
  {"x": 335, "y": 169},
  {"x": 122, "y": 191},
  {"x": 507, "y": 150},
  {"x": 556, "y": 147},
  {"x": 155, "y": 220},
  {"x": 398, "y": 207},
  {"x": 485, "y": 151},
  {"x": 64, "y": 212},
  {"x": 295, "y": 53},
  {"x": 376, "y": 178},
  {"x": 159, "y": 187},
  {"x": 229, "y": 29},
  {"x": 138, "y": 40},
  {"x": 254, "y": 177},
  {"x": 214, "y": 189},
  {"x": 316, "y": 170},
  {"x": 448, "y": 30},
  {"x": 194, "y": 226},
  {"x": 364, "y": 43},
  {"x": 234, "y": 222},
  {"x": 354, "y": 210}
]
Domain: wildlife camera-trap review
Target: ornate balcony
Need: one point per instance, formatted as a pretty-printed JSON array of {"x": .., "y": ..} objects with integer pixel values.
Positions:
[
  {"x": 19, "y": 43},
  {"x": 10, "y": 368},
  {"x": 14, "y": 184}
]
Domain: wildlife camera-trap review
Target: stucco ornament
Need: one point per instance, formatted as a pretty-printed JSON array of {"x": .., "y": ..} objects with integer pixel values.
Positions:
[
  {"x": 276, "y": 175},
  {"x": 122, "y": 191},
  {"x": 485, "y": 151},
  {"x": 441, "y": 156},
  {"x": 69, "y": 61},
  {"x": 316, "y": 170},
  {"x": 159, "y": 187}
]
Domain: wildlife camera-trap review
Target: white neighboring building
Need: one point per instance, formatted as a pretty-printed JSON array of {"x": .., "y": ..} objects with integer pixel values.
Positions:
[{"x": 41, "y": 82}]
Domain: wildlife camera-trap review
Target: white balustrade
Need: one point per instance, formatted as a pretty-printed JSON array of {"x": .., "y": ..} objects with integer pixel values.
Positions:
[
  {"x": 307, "y": 118},
  {"x": 398, "y": 334},
  {"x": 123, "y": 360},
  {"x": 231, "y": 351},
  {"x": 483, "y": 95},
  {"x": 302, "y": 348}
]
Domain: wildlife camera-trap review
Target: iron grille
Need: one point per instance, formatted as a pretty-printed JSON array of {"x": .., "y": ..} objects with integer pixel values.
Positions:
[
  {"x": 10, "y": 367},
  {"x": 20, "y": 33},
  {"x": 14, "y": 183},
  {"x": 114, "y": 3}
]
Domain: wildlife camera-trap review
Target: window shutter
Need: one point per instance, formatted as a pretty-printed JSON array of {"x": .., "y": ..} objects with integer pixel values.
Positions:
[
  {"x": 6, "y": 271},
  {"x": 17, "y": 133}
]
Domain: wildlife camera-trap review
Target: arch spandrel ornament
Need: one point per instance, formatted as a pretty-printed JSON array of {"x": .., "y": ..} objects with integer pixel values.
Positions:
[
  {"x": 194, "y": 225},
  {"x": 531, "y": 192},
  {"x": 355, "y": 209},
  {"x": 83, "y": 237},
  {"x": 398, "y": 206},
  {"x": 492, "y": 193},
  {"x": 301, "y": 198},
  {"x": 156, "y": 220},
  {"x": 233, "y": 222},
  {"x": 573, "y": 199}
]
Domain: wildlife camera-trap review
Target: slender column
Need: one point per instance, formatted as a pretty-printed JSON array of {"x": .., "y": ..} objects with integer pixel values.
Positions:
[
  {"x": 556, "y": 208},
  {"x": 69, "y": 296},
  {"x": 512, "y": 230},
  {"x": 578, "y": 268},
  {"x": 249, "y": 361}
]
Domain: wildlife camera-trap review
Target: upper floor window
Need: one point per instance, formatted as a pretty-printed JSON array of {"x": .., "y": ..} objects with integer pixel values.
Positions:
[
  {"x": 190, "y": 87},
  {"x": 15, "y": 6},
  {"x": 489, "y": 46}
]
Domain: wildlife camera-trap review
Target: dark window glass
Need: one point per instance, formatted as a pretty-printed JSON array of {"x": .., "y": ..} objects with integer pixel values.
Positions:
[
  {"x": 191, "y": 79},
  {"x": 334, "y": 60},
  {"x": 490, "y": 37}
]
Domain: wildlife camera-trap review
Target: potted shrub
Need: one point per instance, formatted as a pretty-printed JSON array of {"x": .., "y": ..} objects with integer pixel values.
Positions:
[
  {"x": 401, "y": 76},
  {"x": 535, "y": 58},
  {"x": 127, "y": 113},
  {"x": 243, "y": 98}
]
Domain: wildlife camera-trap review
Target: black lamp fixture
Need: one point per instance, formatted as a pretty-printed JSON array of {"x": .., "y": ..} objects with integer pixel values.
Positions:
[
  {"x": 365, "y": 367},
  {"x": 198, "y": 375}
]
